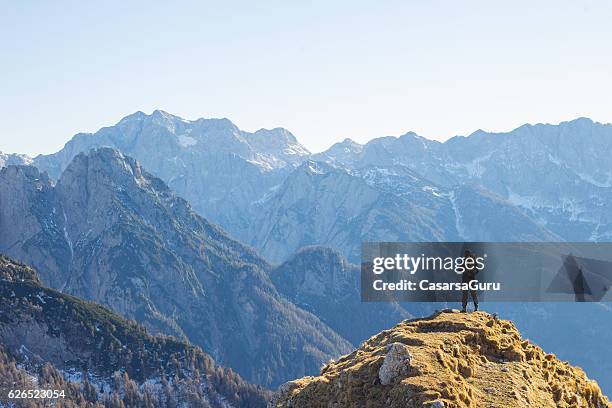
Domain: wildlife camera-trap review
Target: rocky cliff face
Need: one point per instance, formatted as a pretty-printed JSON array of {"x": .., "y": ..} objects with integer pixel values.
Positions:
[
  {"x": 319, "y": 204},
  {"x": 51, "y": 339},
  {"x": 450, "y": 360},
  {"x": 32, "y": 222},
  {"x": 110, "y": 232}
]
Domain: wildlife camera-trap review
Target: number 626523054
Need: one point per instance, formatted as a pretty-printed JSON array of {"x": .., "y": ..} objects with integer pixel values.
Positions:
[{"x": 36, "y": 394}]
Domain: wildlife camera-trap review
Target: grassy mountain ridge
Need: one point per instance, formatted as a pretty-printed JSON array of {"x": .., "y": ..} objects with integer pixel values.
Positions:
[{"x": 448, "y": 360}]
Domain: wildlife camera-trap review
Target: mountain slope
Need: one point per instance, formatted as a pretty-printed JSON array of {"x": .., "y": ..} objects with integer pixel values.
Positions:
[
  {"x": 111, "y": 233},
  {"x": 321, "y": 281},
  {"x": 449, "y": 360},
  {"x": 322, "y": 205},
  {"x": 550, "y": 325},
  {"x": 94, "y": 355},
  {"x": 319, "y": 204}
]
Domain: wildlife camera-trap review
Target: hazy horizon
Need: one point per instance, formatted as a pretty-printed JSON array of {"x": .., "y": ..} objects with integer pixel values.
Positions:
[{"x": 325, "y": 71}]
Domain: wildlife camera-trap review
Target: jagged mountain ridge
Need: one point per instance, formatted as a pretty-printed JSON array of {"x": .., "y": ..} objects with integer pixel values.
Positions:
[
  {"x": 211, "y": 163},
  {"x": 178, "y": 139},
  {"x": 319, "y": 204},
  {"x": 95, "y": 356},
  {"x": 111, "y": 233},
  {"x": 449, "y": 360},
  {"x": 559, "y": 174}
]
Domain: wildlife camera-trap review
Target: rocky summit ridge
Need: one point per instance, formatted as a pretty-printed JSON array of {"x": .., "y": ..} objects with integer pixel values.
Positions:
[{"x": 449, "y": 360}]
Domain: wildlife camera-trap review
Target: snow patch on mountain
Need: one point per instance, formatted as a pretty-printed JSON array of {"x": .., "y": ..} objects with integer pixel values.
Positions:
[
  {"x": 433, "y": 191},
  {"x": 187, "y": 141},
  {"x": 314, "y": 168},
  {"x": 458, "y": 222},
  {"x": 527, "y": 202},
  {"x": 476, "y": 167},
  {"x": 591, "y": 180},
  {"x": 295, "y": 149}
]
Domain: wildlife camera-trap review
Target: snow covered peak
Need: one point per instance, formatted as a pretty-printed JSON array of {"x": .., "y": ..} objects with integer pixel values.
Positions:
[
  {"x": 14, "y": 158},
  {"x": 278, "y": 142},
  {"x": 158, "y": 115},
  {"x": 157, "y": 138},
  {"x": 347, "y": 145},
  {"x": 136, "y": 116},
  {"x": 345, "y": 152}
]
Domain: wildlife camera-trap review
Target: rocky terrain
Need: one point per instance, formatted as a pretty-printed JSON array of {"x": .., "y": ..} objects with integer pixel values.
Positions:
[
  {"x": 109, "y": 232},
  {"x": 49, "y": 340},
  {"x": 449, "y": 360}
]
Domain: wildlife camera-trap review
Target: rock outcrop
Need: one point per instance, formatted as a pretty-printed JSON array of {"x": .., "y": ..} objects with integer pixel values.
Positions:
[
  {"x": 395, "y": 364},
  {"x": 449, "y": 360}
]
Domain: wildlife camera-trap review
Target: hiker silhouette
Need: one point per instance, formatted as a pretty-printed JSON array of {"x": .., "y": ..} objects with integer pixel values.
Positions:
[{"x": 469, "y": 275}]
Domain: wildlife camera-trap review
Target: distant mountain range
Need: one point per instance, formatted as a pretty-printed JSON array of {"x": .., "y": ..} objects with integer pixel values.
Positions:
[
  {"x": 538, "y": 182},
  {"x": 103, "y": 228}
]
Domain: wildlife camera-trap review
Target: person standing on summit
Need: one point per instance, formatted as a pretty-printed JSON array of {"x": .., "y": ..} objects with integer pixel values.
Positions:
[{"x": 469, "y": 275}]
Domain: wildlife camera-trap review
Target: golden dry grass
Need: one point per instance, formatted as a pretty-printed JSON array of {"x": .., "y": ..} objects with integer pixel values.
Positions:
[{"x": 460, "y": 360}]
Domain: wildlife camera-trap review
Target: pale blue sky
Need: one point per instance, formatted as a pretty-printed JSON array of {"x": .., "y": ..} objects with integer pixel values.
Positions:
[{"x": 325, "y": 70}]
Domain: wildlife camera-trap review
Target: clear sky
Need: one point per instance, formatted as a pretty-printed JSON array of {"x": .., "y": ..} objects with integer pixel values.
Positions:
[{"x": 325, "y": 70}]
